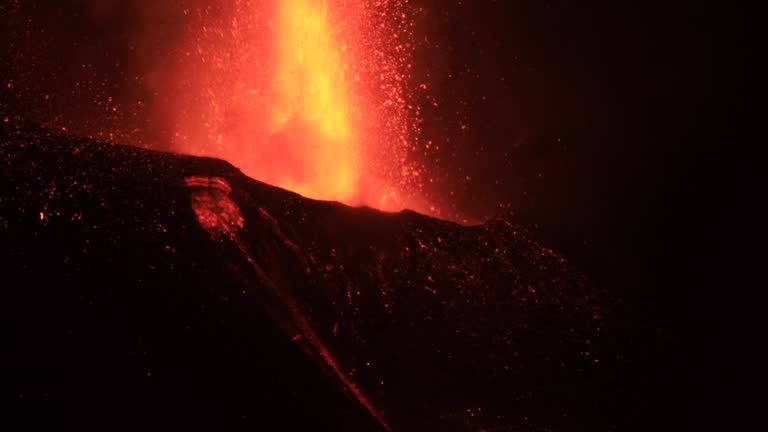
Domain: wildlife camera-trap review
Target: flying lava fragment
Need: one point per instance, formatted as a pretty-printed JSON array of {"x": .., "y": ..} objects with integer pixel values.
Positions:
[{"x": 308, "y": 95}]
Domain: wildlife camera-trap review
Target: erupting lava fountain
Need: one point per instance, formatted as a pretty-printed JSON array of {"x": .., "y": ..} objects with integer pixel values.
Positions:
[{"x": 308, "y": 95}]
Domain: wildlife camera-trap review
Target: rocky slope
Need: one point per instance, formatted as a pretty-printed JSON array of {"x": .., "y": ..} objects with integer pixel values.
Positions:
[{"x": 158, "y": 290}]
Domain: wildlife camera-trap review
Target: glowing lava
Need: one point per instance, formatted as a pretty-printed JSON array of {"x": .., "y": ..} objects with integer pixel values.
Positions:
[
  {"x": 311, "y": 115},
  {"x": 309, "y": 95}
]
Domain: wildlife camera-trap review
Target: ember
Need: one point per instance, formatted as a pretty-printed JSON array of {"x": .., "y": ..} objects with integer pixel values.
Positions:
[{"x": 309, "y": 95}]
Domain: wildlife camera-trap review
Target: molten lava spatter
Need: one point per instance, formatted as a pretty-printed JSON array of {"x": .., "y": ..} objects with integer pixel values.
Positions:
[
  {"x": 311, "y": 115},
  {"x": 308, "y": 95}
]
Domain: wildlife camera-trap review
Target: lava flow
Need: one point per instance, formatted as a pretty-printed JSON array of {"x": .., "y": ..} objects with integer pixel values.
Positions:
[{"x": 308, "y": 95}]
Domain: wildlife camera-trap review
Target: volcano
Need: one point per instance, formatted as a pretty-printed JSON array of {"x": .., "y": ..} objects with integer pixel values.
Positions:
[{"x": 154, "y": 290}]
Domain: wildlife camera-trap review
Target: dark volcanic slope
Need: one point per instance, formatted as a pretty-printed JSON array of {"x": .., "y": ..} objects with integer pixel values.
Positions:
[{"x": 157, "y": 290}]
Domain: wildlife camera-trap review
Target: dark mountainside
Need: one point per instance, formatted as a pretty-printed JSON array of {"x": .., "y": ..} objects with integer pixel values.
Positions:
[{"x": 152, "y": 290}]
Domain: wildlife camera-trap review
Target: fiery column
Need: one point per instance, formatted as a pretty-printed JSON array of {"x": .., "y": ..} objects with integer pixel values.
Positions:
[
  {"x": 311, "y": 116},
  {"x": 308, "y": 95}
]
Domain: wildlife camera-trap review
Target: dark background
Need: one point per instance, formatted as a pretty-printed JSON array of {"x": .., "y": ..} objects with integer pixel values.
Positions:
[{"x": 589, "y": 119}]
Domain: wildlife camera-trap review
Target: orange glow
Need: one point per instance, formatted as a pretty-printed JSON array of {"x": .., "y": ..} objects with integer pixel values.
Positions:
[
  {"x": 311, "y": 114},
  {"x": 308, "y": 95}
]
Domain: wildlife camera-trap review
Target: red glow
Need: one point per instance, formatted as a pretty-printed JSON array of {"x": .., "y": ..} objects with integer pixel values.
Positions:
[{"x": 309, "y": 95}]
